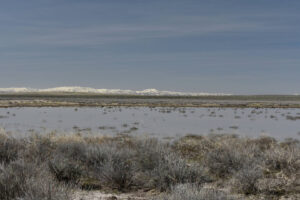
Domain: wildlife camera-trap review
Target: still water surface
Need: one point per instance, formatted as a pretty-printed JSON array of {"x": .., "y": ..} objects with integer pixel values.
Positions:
[{"x": 160, "y": 122}]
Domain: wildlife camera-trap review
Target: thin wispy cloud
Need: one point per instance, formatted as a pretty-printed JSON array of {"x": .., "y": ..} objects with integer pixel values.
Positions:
[{"x": 99, "y": 34}]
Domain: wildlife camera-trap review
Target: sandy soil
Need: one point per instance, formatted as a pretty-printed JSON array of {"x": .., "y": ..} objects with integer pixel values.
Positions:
[{"x": 98, "y": 195}]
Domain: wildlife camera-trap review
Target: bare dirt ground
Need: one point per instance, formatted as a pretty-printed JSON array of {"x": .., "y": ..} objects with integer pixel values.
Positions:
[{"x": 98, "y": 195}]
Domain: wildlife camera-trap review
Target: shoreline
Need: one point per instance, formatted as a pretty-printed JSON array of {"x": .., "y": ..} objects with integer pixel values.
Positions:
[
  {"x": 96, "y": 100},
  {"x": 146, "y": 103}
]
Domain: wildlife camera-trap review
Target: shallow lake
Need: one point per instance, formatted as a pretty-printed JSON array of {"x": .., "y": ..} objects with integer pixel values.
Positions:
[{"x": 161, "y": 122}]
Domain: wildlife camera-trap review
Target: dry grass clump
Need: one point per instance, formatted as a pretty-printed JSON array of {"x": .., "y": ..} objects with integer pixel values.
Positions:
[
  {"x": 113, "y": 166},
  {"x": 64, "y": 169},
  {"x": 172, "y": 170},
  {"x": 245, "y": 180},
  {"x": 165, "y": 168},
  {"x": 223, "y": 161},
  {"x": 9, "y": 148}
]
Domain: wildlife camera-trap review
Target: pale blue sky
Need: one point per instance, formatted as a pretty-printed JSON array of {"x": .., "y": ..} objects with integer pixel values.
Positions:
[{"x": 230, "y": 46}]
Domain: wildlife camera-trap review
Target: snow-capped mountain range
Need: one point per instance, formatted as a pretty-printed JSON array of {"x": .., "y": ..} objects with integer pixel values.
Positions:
[{"x": 145, "y": 92}]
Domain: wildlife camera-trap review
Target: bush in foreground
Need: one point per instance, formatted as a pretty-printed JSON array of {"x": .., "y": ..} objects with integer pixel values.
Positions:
[{"x": 19, "y": 180}]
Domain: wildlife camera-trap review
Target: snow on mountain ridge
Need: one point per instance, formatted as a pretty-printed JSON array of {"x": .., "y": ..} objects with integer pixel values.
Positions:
[
  {"x": 106, "y": 91},
  {"x": 15, "y": 90}
]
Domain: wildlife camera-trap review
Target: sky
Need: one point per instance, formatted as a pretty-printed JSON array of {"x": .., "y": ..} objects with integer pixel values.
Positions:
[{"x": 226, "y": 46}]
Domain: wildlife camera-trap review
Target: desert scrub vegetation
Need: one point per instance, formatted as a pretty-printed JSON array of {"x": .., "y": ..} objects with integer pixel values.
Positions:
[
  {"x": 27, "y": 181},
  {"x": 261, "y": 166},
  {"x": 193, "y": 167}
]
